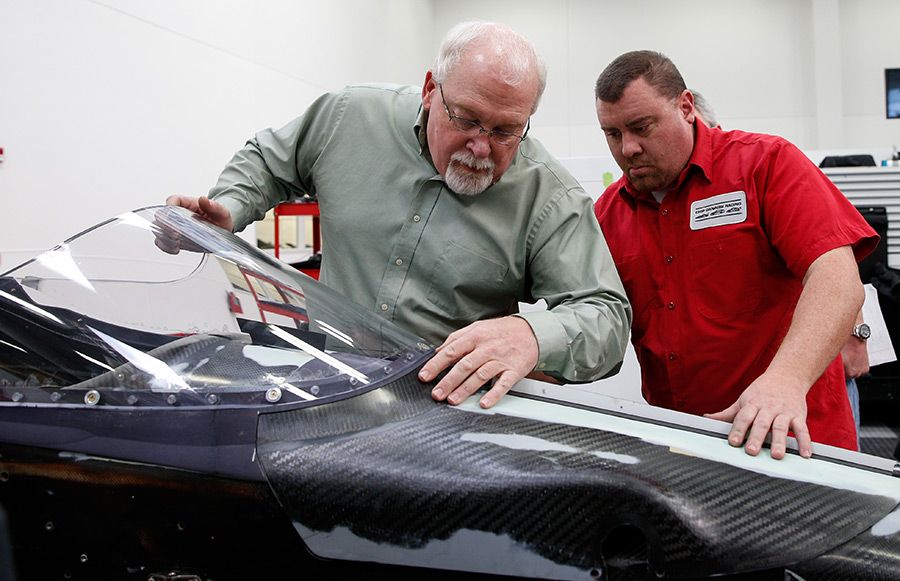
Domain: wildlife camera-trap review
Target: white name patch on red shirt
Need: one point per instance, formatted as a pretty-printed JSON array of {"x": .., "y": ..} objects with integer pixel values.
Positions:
[{"x": 721, "y": 210}]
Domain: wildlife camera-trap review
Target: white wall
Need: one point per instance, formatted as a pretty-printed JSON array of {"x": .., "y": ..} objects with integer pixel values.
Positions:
[
  {"x": 731, "y": 50},
  {"x": 108, "y": 105},
  {"x": 869, "y": 42}
]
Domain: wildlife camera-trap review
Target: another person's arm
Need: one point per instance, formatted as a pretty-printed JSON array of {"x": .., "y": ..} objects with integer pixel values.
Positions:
[{"x": 832, "y": 297}]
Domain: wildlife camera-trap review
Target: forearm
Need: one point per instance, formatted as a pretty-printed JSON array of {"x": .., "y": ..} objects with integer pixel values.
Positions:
[{"x": 831, "y": 299}]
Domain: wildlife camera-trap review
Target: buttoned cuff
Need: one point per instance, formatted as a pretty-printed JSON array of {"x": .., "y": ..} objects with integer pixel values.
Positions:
[{"x": 552, "y": 340}]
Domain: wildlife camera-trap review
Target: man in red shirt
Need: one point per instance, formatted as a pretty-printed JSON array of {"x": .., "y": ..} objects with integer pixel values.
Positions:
[{"x": 739, "y": 258}]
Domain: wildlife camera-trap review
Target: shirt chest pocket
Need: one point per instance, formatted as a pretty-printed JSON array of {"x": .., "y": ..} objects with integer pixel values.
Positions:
[
  {"x": 465, "y": 284},
  {"x": 726, "y": 276}
]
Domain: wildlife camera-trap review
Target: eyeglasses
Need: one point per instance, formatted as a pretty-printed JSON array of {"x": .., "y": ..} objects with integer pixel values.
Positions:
[{"x": 473, "y": 129}]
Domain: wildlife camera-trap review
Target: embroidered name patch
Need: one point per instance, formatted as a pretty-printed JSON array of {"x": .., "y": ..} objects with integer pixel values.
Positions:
[{"x": 721, "y": 210}]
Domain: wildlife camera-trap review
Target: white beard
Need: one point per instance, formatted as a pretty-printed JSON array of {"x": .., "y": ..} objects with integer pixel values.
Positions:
[{"x": 464, "y": 182}]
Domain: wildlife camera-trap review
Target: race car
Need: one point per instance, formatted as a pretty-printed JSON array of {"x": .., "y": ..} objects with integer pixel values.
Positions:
[{"x": 177, "y": 404}]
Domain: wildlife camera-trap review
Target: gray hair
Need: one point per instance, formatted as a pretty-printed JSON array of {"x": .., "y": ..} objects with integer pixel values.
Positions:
[
  {"x": 518, "y": 56},
  {"x": 704, "y": 109}
]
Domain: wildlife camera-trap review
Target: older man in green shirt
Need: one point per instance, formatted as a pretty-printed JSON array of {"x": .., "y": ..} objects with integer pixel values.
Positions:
[{"x": 418, "y": 225}]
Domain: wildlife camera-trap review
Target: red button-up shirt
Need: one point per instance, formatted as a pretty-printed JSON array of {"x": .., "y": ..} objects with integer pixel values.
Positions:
[{"x": 714, "y": 271}]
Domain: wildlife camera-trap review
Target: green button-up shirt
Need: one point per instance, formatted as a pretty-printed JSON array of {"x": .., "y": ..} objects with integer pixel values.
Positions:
[{"x": 397, "y": 240}]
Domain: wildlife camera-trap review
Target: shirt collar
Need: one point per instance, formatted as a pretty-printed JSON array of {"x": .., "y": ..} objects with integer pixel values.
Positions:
[
  {"x": 420, "y": 128},
  {"x": 702, "y": 156}
]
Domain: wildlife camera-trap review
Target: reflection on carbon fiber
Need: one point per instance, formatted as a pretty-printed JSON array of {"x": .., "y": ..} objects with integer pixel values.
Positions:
[
  {"x": 391, "y": 474},
  {"x": 867, "y": 557}
]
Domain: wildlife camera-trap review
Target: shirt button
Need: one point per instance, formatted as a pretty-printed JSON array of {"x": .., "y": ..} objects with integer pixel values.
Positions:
[
  {"x": 671, "y": 306},
  {"x": 670, "y": 259},
  {"x": 384, "y": 306},
  {"x": 399, "y": 262},
  {"x": 417, "y": 218},
  {"x": 679, "y": 403},
  {"x": 665, "y": 212},
  {"x": 672, "y": 356}
]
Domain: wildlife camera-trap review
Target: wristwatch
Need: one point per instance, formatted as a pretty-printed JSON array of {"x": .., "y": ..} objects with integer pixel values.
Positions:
[{"x": 861, "y": 331}]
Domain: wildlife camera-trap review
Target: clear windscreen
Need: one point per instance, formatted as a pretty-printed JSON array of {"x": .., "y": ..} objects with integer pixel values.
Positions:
[{"x": 159, "y": 301}]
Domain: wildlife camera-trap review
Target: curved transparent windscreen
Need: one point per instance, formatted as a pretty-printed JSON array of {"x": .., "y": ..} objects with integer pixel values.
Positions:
[{"x": 160, "y": 301}]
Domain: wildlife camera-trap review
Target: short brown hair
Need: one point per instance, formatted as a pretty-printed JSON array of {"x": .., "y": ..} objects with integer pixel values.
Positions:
[{"x": 654, "y": 67}]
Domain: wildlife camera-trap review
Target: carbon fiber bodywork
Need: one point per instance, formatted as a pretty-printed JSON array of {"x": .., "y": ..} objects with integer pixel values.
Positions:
[{"x": 391, "y": 476}]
